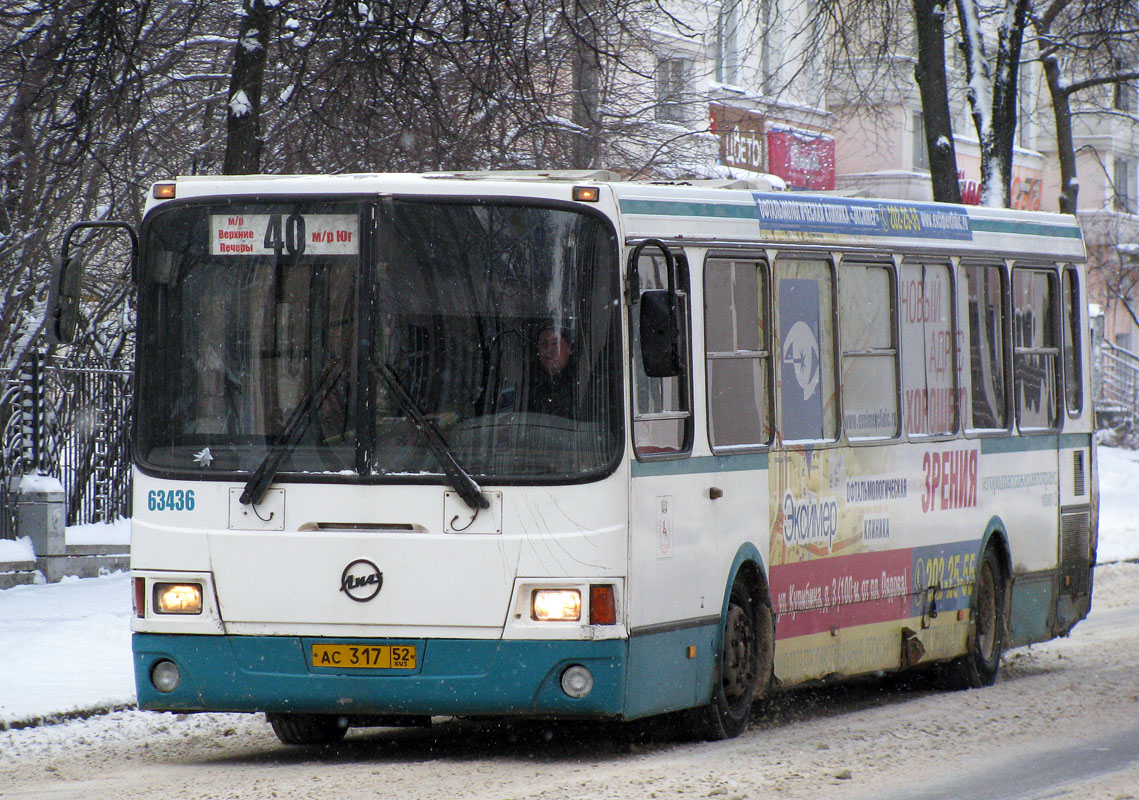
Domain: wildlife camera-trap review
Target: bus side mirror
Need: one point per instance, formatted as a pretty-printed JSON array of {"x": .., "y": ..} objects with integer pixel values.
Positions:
[
  {"x": 62, "y": 316},
  {"x": 660, "y": 340},
  {"x": 63, "y": 302}
]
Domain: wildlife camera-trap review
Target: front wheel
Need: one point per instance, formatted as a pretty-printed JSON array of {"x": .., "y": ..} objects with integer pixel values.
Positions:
[
  {"x": 979, "y": 666},
  {"x": 745, "y": 668},
  {"x": 308, "y": 728}
]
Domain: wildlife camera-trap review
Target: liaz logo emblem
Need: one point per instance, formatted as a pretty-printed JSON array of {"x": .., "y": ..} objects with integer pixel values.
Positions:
[{"x": 361, "y": 580}]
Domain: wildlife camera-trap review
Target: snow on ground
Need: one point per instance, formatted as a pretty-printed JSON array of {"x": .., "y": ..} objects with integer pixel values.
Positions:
[
  {"x": 1118, "y": 522},
  {"x": 65, "y": 648},
  {"x": 17, "y": 550},
  {"x": 117, "y": 532}
]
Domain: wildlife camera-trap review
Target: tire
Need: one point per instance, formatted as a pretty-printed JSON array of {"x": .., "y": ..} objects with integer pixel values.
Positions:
[
  {"x": 989, "y": 614},
  {"x": 744, "y": 669},
  {"x": 308, "y": 728}
]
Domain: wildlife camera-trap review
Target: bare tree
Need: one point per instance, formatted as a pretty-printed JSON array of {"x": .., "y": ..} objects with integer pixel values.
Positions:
[
  {"x": 992, "y": 88},
  {"x": 1098, "y": 40}
]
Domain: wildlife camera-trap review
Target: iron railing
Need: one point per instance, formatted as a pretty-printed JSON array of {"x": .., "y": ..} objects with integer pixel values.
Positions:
[
  {"x": 1116, "y": 383},
  {"x": 72, "y": 422}
]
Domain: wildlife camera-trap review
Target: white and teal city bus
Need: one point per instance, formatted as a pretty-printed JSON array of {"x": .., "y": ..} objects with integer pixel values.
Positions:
[{"x": 572, "y": 447}]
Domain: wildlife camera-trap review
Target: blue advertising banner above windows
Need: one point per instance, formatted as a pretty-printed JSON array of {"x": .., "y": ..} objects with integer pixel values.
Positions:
[{"x": 783, "y": 212}]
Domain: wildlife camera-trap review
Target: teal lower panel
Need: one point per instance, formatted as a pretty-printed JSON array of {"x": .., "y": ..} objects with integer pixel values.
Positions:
[
  {"x": 662, "y": 677},
  {"x": 1032, "y": 609},
  {"x": 453, "y": 677}
]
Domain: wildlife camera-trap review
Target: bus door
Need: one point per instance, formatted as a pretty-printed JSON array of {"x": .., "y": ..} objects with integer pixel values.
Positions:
[
  {"x": 672, "y": 616},
  {"x": 1035, "y": 519},
  {"x": 803, "y": 471}
]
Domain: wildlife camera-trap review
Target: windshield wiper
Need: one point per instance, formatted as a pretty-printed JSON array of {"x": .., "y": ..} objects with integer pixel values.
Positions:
[
  {"x": 295, "y": 425},
  {"x": 459, "y": 478}
]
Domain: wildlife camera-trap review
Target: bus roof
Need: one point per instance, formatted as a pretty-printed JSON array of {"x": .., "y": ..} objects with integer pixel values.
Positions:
[{"x": 723, "y": 212}]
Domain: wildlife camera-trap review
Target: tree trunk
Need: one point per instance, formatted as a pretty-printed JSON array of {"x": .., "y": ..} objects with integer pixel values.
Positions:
[
  {"x": 243, "y": 117},
  {"x": 586, "y": 86},
  {"x": 993, "y": 93},
  {"x": 1010, "y": 36},
  {"x": 929, "y": 18},
  {"x": 1065, "y": 147}
]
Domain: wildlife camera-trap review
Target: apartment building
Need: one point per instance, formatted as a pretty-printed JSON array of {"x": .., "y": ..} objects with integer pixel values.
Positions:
[{"x": 766, "y": 79}]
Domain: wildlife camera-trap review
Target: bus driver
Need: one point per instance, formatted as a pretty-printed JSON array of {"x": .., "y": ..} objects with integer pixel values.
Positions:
[{"x": 553, "y": 388}]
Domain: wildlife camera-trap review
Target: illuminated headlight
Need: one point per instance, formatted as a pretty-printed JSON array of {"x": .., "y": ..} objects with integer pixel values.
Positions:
[
  {"x": 555, "y": 605},
  {"x": 577, "y": 681},
  {"x": 178, "y": 598},
  {"x": 166, "y": 676}
]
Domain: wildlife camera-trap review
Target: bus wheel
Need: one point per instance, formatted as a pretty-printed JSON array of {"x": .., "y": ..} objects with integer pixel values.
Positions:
[
  {"x": 745, "y": 667},
  {"x": 979, "y": 666},
  {"x": 308, "y": 728}
]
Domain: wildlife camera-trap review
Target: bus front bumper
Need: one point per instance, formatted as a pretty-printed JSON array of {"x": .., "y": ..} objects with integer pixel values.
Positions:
[{"x": 451, "y": 677}]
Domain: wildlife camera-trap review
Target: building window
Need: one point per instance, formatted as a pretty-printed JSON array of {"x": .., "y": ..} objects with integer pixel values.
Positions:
[
  {"x": 1123, "y": 95},
  {"x": 727, "y": 42},
  {"x": 769, "y": 43},
  {"x": 1024, "y": 114},
  {"x": 921, "y": 152},
  {"x": 1123, "y": 179},
  {"x": 671, "y": 84}
]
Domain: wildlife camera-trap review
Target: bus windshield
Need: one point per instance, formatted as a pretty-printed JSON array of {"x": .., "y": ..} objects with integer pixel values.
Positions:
[{"x": 266, "y": 331}]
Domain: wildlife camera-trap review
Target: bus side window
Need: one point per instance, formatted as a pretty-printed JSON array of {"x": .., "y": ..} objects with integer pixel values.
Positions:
[
  {"x": 804, "y": 292},
  {"x": 928, "y": 345},
  {"x": 737, "y": 341},
  {"x": 869, "y": 352},
  {"x": 983, "y": 301},
  {"x": 1036, "y": 371},
  {"x": 662, "y": 407},
  {"x": 1073, "y": 378}
]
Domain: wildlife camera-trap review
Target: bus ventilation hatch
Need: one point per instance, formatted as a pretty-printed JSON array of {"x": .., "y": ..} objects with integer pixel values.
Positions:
[
  {"x": 1079, "y": 486},
  {"x": 1075, "y": 558}
]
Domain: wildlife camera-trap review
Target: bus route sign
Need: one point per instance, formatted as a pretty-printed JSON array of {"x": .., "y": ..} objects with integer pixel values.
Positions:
[{"x": 294, "y": 234}]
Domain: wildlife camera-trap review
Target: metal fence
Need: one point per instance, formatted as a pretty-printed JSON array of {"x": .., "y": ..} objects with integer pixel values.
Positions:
[
  {"x": 1116, "y": 384},
  {"x": 71, "y": 422}
]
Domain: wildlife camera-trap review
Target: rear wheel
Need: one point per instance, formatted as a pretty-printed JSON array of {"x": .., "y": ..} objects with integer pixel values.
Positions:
[
  {"x": 979, "y": 666},
  {"x": 745, "y": 667},
  {"x": 308, "y": 728}
]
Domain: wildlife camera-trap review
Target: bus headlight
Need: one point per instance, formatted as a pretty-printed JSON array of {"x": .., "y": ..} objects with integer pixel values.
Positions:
[
  {"x": 177, "y": 598},
  {"x": 555, "y": 605}
]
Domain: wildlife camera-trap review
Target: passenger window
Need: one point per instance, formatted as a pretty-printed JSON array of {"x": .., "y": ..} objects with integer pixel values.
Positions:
[
  {"x": 804, "y": 291},
  {"x": 737, "y": 352},
  {"x": 929, "y": 349},
  {"x": 1073, "y": 378},
  {"x": 869, "y": 353},
  {"x": 662, "y": 407},
  {"x": 1035, "y": 352},
  {"x": 982, "y": 290}
]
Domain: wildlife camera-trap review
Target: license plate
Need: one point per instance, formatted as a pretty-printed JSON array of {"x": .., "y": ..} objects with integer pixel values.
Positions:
[{"x": 364, "y": 656}]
